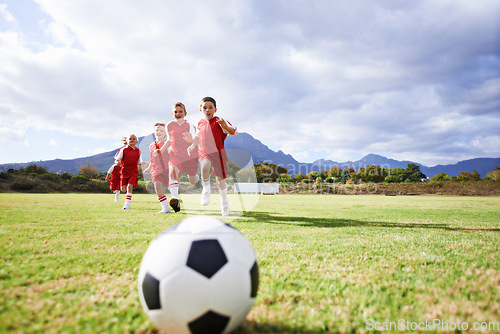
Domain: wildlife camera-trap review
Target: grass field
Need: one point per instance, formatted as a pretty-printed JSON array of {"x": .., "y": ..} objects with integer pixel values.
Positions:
[{"x": 328, "y": 263}]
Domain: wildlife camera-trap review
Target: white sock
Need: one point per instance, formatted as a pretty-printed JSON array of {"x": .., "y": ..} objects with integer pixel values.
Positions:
[
  {"x": 163, "y": 201},
  {"x": 223, "y": 194},
  {"x": 128, "y": 198},
  {"x": 117, "y": 194},
  {"x": 206, "y": 183},
  {"x": 173, "y": 186}
]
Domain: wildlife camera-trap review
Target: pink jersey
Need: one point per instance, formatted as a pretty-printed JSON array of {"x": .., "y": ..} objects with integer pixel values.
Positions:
[
  {"x": 130, "y": 158},
  {"x": 176, "y": 133},
  {"x": 159, "y": 163},
  {"x": 211, "y": 137}
]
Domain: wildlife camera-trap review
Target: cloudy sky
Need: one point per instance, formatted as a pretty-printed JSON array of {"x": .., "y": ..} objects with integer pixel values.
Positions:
[{"x": 333, "y": 79}]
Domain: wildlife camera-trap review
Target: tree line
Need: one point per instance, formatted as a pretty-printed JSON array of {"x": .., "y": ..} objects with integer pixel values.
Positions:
[{"x": 269, "y": 172}]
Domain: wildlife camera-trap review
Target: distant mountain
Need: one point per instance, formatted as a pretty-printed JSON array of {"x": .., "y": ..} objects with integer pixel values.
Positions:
[
  {"x": 259, "y": 151},
  {"x": 243, "y": 149},
  {"x": 482, "y": 165}
]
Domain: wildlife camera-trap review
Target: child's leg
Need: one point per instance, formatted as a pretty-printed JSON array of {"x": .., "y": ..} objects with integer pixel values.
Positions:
[
  {"x": 206, "y": 166},
  {"x": 221, "y": 183},
  {"x": 129, "y": 188},
  {"x": 173, "y": 187},
  {"x": 173, "y": 184},
  {"x": 161, "y": 197},
  {"x": 117, "y": 195},
  {"x": 193, "y": 179}
]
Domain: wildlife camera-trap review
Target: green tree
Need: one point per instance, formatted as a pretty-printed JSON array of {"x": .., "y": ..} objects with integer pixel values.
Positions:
[
  {"x": 268, "y": 172},
  {"x": 372, "y": 173},
  {"x": 299, "y": 177},
  {"x": 34, "y": 169},
  {"x": 396, "y": 175},
  {"x": 494, "y": 175},
  {"x": 232, "y": 168},
  {"x": 414, "y": 173},
  {"x": 335, "y": 171},
  {"x": 88, "y": 170},
  {"x": 346, "y": 174},
  {"x": 468, "y": 176},
  {"x": 441, "y": 177}
]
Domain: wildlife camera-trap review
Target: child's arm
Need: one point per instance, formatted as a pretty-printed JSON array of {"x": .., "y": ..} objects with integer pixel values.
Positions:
[
  {"x": 146, "y": 167},
  {"x": 110, "y": 171},
  {"x": 196, "y": 141},
  {"x": 226, "y": 127},
  {"x": 163, "y": 149},
  {"x": 189, "y": 135}
]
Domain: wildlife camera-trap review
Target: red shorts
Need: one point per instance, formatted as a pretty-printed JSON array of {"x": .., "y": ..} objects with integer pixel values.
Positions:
[
  {"x": 159, "y": 177},
  {"x": 129, "y": 179},
  {"x": 185, "y": 164},
  {"x": 219, "y": 164},
  {"x": 114, "y": 186}
]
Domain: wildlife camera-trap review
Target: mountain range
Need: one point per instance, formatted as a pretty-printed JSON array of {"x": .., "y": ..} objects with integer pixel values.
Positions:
[{"x": 244, "y": 149}]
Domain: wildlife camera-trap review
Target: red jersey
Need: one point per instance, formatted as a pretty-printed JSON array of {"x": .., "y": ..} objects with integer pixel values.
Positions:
[
  {"x": 114, "y": 179},
  {"x": 176, "y": 133},
  {"x": 130, "y": 158},
  {"x": 159, "y": 163},
  {"x": 212, "y": 137}
]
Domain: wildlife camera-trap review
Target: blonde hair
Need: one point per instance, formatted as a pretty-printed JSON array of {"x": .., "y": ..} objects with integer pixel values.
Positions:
[
  {"x": 159, "y": 124},
  {"x": 125, "y": 139},
  {"x": 179, "y": 104}
]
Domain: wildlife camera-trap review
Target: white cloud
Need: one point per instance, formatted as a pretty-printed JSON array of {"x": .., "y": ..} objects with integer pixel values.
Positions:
[
  {"x": 7, "y": 16},
  {"x": 10, "y": 136},
  {"x": 330, "y": 79}
]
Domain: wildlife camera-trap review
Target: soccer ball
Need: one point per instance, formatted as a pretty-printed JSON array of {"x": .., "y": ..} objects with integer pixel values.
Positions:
[{"x": 198, "y": 276}]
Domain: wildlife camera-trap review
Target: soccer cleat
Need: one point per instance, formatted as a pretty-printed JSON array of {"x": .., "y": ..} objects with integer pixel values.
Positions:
[
  {"x": 126, "y": 207},
  {"x": 165, "y": 210},
  {"x": 225, "y": 208},
  {"x": 205, "y": 196},
  {"x": 174, "y": 204}
]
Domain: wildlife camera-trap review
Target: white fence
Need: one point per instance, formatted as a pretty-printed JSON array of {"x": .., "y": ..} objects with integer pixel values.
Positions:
[{"x": 256, "y": 188}]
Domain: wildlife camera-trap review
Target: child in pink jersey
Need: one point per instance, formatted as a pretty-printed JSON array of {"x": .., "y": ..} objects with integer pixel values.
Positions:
[
  {"x": 159, "y": 165},
  {"x": 212, "y": 131},
  {"x": 180, "y": 134}
]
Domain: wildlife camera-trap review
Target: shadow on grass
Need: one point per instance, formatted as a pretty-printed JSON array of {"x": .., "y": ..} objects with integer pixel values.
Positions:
[
  {"x": 250, "y": 327},
  {"x": 272, "y": 218}
]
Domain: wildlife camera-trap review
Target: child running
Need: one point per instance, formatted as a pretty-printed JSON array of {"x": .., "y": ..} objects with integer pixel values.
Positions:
[
  {"x": 180, "y": 133},
  {"x": 212, "y": 131},
  {"x": 129, "y": 157},
  {"x": 159, "y": 165},
  {"x": 114, "y": 175}
]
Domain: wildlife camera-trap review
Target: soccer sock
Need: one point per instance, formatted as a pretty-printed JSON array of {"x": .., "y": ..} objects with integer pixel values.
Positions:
[
  {"x": 128, "y": 198},
  {"x": 206, "y": 183},
  {"x": 173, "y": 186},
  {"x": 223, "y": 194},
  {"x": 117, "y": 194},
  {"x": 163, "y": 201}
]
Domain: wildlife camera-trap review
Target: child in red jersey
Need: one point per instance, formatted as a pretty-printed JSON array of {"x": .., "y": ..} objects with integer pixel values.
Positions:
[
  {"x": 212, "y": 131},
  {"x": 159, "y": 165},
  {"x": 114, "y": 176},
  {"x": 129, "y": 157},
  {"x": 180, "y": 133}
]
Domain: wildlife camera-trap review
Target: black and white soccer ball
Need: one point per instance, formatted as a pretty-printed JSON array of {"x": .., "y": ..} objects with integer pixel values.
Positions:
[{"x": 198, "y": 276}]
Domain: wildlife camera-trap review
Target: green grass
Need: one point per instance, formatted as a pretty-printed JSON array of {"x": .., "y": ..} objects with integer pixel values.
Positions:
[{"x": 327, "y": 263}]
